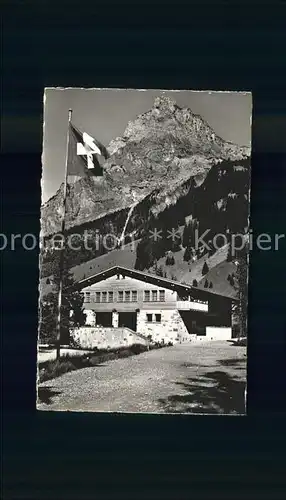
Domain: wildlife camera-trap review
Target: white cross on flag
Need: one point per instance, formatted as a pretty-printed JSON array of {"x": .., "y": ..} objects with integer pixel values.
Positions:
[{"x": 83, "y": 152}]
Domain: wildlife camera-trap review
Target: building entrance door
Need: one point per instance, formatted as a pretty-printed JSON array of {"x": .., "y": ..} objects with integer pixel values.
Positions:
[
  {"x": 104, "y": 319},
  {"x": 128, "y": 319}
]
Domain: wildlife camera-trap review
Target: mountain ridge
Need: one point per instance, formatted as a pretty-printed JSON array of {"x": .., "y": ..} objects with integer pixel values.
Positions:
[{"x": 159, "y": 150}]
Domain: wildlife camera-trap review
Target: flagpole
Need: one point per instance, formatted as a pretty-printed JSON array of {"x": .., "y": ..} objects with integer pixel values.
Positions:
[{"x": 61, "y": 263}]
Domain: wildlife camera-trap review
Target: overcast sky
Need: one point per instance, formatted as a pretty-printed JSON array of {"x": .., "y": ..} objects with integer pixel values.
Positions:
[{"x": 104, "y": 115}]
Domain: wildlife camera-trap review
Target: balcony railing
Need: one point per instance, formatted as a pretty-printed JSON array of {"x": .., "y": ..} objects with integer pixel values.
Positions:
[{"x": 187, "y": 305}]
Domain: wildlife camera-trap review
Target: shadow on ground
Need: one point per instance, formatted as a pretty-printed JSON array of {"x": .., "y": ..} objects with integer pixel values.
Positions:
[
  {"x": 233, "y": 362},
  {"x": 238, "y": 343},
  {"x": 45, "y": 395},
  {"x": 213, "y": 393},
  {"x": 192, "y": 365}
]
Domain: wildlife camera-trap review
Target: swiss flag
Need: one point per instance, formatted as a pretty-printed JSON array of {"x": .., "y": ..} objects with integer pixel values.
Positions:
[{"x": 83, "y": 154}]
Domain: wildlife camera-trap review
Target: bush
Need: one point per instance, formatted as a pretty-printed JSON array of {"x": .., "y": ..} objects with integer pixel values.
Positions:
[
  {"x": 109, "y": 356},
  {"x": 96, "y": 360},
  {"x": 124, "y": 353},
  {"x": 241, "y": 342},
  {"x": 57, "y": 367},
  {"x": 157, "y": 345},
  {"x": 138, "y": 348}
]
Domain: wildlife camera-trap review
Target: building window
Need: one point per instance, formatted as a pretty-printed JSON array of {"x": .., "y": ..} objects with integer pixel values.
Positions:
[
  {"x": 149, "y": 318},
  {"x": 158, "y": 318},
  {"x": 104, "y": 296},
  {"x": 127, "y": 296},
  {"x": 146, "y": 296},
  {"x": 97, "y": 297},
  {"x": 120, "y": 296},
  {"x": 162, "y": 295},
  {"x": 154, "y": 295},
  {"x": 110, "y": 296},
  {"x": 87, "y": 296},
  {"x": 134, "y": 296}
]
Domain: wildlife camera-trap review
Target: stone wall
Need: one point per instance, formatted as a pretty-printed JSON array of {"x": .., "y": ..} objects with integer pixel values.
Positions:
[
  {"x": 88, "y": 337},
  {"x": 173, "y": 329},
  {"x": 170, "y": 329}
]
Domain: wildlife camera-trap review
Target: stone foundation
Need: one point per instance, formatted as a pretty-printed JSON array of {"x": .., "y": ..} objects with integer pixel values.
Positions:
[
  {"x": 105, "y": 338},
  {"x": 170, "y": 329}
]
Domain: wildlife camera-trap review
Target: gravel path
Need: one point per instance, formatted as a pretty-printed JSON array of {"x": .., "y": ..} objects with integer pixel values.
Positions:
[{"x": 194, "y": 378}]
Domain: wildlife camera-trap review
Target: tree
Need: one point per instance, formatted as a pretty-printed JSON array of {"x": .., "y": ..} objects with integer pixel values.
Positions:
[
  {"x": 187, "y": 254},
  {"x": 206, "y": 285},
  {"x": 186, "y": 235},
  {"x": 175, "y": 244},
  {"x": 205, "y": 269},
  {"x": 195, "y": 283},
  {"x": 170, "y": 260},
  {"x": 212, "y": 248},
  {"x": 189, "y": 233},
  {"x": 159, "y": 271},
  {"x": 242, "y": 291},
  {"x": 230, "y": 279},
  {"x": 211, "y": 284},
  {"x": 148, "y": 252},
  {"x": 229, "y": 254},
  {"x": 71, "y": 312}
]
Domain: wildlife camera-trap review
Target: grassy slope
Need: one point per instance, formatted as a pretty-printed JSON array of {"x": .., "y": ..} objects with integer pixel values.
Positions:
[
  {"x": 124, "y": 258},
  {"x": 187, "y": 272},
  {"x": 218, "y": 275},
  {"x": 184, "y": 272}
]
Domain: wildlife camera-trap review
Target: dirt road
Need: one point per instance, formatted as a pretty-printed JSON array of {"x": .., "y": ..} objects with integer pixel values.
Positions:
[{"x": 193, "y": 378}]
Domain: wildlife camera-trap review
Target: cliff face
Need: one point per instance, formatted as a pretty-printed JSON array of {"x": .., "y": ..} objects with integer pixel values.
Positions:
[
  {"x": 168, "y": 167},
  {"x": 161, "y": 153}
]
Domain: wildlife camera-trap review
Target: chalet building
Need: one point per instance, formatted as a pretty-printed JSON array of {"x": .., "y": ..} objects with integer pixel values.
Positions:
[{"x": 125, "y": 306}]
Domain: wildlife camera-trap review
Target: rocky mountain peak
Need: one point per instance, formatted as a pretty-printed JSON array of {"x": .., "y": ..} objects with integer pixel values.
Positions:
[
  {"x": 164, "y": 103},
  {"x": 159, "y": 150}
]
